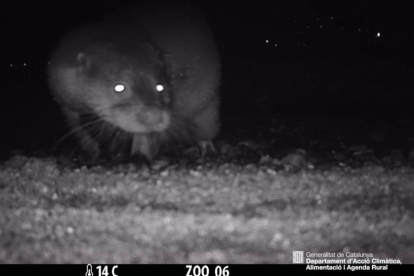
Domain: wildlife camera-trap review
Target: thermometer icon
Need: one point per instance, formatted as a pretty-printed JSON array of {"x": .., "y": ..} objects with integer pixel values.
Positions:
[{"x": 89, "y": 270}]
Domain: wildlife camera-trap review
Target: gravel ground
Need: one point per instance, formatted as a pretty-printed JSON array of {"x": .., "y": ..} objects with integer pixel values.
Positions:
[{"x": 221, "y": 213}]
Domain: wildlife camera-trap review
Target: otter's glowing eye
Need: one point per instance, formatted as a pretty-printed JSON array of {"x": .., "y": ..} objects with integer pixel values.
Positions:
[
  {"x": 119, "y": 88},
  {"x": 159, "y": 87}
]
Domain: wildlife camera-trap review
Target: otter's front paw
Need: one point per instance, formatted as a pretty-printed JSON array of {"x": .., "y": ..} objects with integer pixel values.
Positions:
[{"x": 206, "y": 148}]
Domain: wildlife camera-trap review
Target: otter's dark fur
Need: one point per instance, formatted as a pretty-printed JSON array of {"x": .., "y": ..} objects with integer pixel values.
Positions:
[{"x": 143, "y": 77}]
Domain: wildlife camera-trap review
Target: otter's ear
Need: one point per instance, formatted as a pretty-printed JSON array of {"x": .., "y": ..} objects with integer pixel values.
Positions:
[{"x": 84, "y": 62}]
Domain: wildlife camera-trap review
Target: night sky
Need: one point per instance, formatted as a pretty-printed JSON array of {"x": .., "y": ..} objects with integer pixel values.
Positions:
[
  {"x": 277, "y": 56},
  {"x": 29, "y": 26}
]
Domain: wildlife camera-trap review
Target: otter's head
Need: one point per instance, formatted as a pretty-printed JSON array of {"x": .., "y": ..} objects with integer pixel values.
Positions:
[{"x": 130, "y": 90}]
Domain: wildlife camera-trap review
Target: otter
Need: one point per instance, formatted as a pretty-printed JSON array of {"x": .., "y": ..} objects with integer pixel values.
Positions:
[{"x": 146, "y": 76}]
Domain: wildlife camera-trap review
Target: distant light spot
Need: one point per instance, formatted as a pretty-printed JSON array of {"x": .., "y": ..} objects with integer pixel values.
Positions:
[
  {"x": 119, "y": 88},
  {"x": 378, "y": 34},
  {"x": 331, "y": 17},
  {"x": 267, "y": 40},
  {"x": 24, "y": 64},
  {"x": 11, "y": 65},
  {"x": 159, "y": 87},
  {"x": 320, "y": 26},
  {"x": 275, "y": 44}
]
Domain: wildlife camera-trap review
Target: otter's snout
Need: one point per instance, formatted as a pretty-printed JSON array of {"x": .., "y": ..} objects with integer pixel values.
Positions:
[
  {"x": 150, "y": 116},
  {"x": 154, "y": 118}
]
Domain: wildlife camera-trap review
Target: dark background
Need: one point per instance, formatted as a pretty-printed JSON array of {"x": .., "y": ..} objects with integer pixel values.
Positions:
[{"x": 328, "y": 61}]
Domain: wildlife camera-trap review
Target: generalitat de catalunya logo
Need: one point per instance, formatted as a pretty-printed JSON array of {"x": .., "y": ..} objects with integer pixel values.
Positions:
[{"x": 298, "y": 257}]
